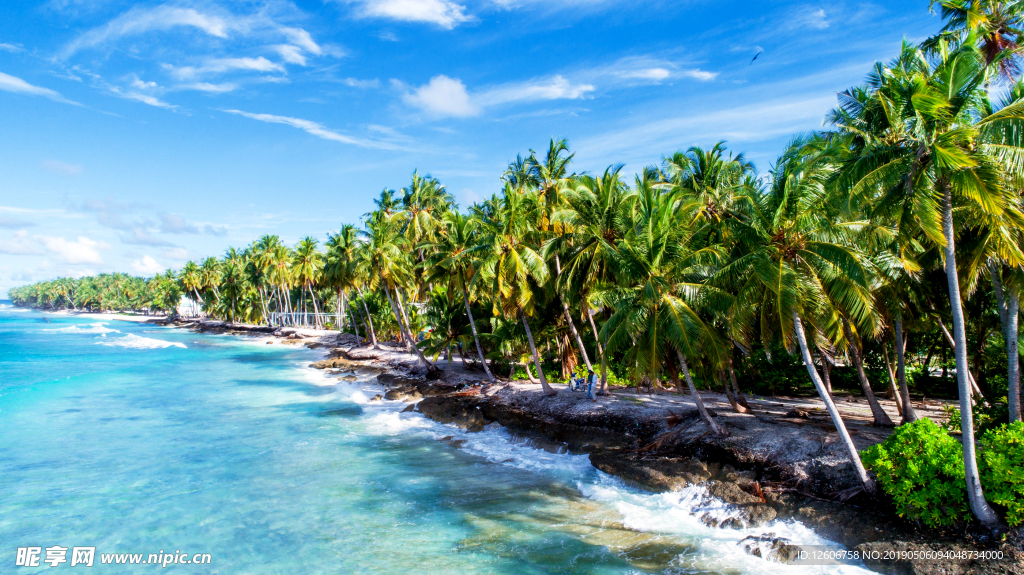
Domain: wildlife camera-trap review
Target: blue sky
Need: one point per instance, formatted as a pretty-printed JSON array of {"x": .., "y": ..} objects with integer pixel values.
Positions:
[{"x": 140, "y": 135}]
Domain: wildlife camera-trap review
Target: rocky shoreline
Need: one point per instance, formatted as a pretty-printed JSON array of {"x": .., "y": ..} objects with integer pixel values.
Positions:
[{"x": 765, "y": 469}]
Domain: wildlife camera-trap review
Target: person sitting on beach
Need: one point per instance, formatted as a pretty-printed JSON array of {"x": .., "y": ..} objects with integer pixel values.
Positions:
[{"x": 591, "y": 382}]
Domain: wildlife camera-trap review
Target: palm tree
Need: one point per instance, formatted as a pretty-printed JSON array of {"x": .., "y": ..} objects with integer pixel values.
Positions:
[
  {"x": 801, "y": 267},
  {"x": 510, "y": 261},
  {"x": 994, "y": 26},
  {"x": 191, "y": 280},
  {"x": 386, "y": 253},
  {"x": 594, "y": 214},
  {"x": 652, "y": 315},
  {"x": 454, "y": 258},
  {"x": 916, "y": 140},
  {"x": 308, "y": 263},
  {"x": 340, "y": 269}
]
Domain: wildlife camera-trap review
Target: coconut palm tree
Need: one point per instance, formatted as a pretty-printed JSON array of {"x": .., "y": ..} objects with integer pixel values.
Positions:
[
  {"x": 340, "y": 269},
  {"x": 511, "y": 262},
  {"x": 454, "y": 258},
  {"x": 801, "y": 267},
  {"x": 387, "y": 255},
  {"x": 917, "y": 140},
  {"x": 594, "y": 213},
  {"x": 307, "y": 263},
  {"x": 657, "y": 276}
]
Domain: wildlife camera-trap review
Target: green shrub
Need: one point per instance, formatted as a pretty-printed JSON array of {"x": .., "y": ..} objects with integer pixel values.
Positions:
[
  {"x": 986, "y": 416},
  {"x": 922, "y": 468},
  {"x": 1001, "y": 461}
]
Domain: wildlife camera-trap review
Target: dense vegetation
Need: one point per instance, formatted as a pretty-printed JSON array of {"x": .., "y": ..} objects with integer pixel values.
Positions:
[{"x": 885, "y": 251}]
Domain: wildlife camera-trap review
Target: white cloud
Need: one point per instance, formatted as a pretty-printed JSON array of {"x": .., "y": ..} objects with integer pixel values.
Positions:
[
  {"x": 314, "y": 129},
  {"x": 302, "y": 39},
  {"x": 19, "y": 86},
  {"x": 141, "y": 20},
  {"x": 20, "y": 244},
  {"x": 222, "y": 65},
  {"x": 144, "y": 98},
  {"x": 554, "y": 88},
  {"x": 701, "y": 75},
  {"x": 208, "y": 87},
  {"x": 810, "y": 18},
  {"x": 356, "y": 83},
  {"x": 147, "y": 266},
  {"x": 11, "y": 48},
  {"x": 444, "y": 13},
  {"x": 291, "y": 54},
  {"x": 83, "y": 251},
  {"x": 141, "y": 237},
  {"x": 653, "y": 74},
  {"x": 176, "y": 254},
  {"x": 138, "y": 84},
  {"x": 442, "y": 96},
  {"x": 448, "y": 97},
  {"x": 177, "y": 224},
  {"x": 62, "y": 167}
]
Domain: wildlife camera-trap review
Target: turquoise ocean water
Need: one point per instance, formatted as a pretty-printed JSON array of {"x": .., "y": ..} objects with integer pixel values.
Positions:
[{"x": 136, "y": 439}]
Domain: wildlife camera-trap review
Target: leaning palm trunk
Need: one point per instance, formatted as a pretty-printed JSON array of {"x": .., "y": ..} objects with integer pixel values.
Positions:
[
  {"x": 909, "y": 415},
  {"x": 696, "y": 396},
  {"x": 472, "y": 325},
  {"x": 975, "y": 390},
  {"x": 1009, "y": 308},
  {"x": 979, "y": 506},
  {"x": 568, "y": 320},
  {"x": 744, "y": 407},
  {"x": 880, "y": 416},
  {"x": 400, "y": 313},
  {"x": 369, "y": 320},
  {"x": 337, "y": 312},
  {"x": 316, "y": 310},
  {"x": 892, "y": 382},
  {"x": 548, "y": 390},
  {"x": 600, "y": 351},
  {"x": 858, "y": 466}
]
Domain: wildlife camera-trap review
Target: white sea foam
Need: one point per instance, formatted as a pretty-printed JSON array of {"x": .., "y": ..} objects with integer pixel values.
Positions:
[
  {"x": 132, "y": 341},
  {"x": 97, "y": 328},
  {"x": 677, "y": 514}
]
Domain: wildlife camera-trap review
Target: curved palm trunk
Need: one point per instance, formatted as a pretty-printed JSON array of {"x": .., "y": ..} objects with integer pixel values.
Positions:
[
  {"x": 744, "y": 407},
  {"x": 979, "y": 506},
  {"x": 685, "y": 368},
  {"x": 858, "y": 466},
  {"x": 568, "y": 319},
  {"x": 548, "y": 390},
  {"x": 881, "y": 418},
  {"x": 316, "y": 310},
  {"x": 472, "y": 325},
  {"x": 892, "y": 382},
  {"x": 1009, "y": 308},
  {"x": 369, "y": 320},
  {"x": 720, "y": 378},
  {"x": 337, "y": 312},
  {"x": 600, "y": 351},
  {"x": 975, "y": 390},
  {"x": 400, "y": 313},
  {"x": 909, "y": 415},
  {"x": 826, "y": 372}
]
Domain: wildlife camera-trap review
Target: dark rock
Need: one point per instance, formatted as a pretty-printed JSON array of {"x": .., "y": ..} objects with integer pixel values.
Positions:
[
  {"x": 770, "y": 547},
  {"x": 750, "y": 510},
  {"x": 377, "y": 397},
  {"x": 658, "y": 474},
  {"x": 411, "y": 407}
]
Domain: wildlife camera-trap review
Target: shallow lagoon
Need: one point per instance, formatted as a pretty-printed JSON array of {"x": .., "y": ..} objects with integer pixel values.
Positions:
[{"x": 139, "y": 439}]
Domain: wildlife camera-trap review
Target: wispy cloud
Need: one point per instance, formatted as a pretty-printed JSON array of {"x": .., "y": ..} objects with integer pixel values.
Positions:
[
  {"x": 140, "y": 20},
  {"x": 20, "y": 245},
  {"x": 177, "y": 224},
  {"x": 81, "y": 251},
  {"x": 443, "y": 13},
  {"x": 810, "y": 17},
  {"x": 142, "y": 237},
  {"x": 365, "y": 84},
  {"x": 62, "y": 167},
  {"x": 315, "y": 129},
  {"x": 144, "y": 98},
  {"x": 448, "y": 97},
  {"x": 7, "y": 222},
  {"x": 208, "y": 87},
  {"x": 11, "y": 48},
  {"x": 222, "y": 65},
  {"x": 18, "y": 86}
]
